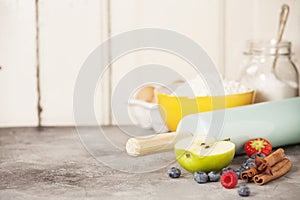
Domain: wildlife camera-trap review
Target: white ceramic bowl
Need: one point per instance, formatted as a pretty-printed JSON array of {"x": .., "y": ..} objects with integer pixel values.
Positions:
[{"x": 147, "y": 115}]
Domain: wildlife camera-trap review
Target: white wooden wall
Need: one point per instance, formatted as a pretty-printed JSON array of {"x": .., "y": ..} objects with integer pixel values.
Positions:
[
  {"x": 257, "y": 19},
  {"x": 18, "y": 62},
  {"x": 70, "y": 29}
]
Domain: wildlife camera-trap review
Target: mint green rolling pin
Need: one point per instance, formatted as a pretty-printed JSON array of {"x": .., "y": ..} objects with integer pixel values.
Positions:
[{"x": 277, "y": 121}]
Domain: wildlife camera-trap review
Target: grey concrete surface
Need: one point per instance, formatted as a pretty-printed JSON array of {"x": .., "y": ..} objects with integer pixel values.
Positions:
[{"x": 52, "y": 163}]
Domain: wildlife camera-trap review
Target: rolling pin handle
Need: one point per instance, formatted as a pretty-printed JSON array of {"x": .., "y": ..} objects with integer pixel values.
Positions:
[{"x": 150, "y": 144}]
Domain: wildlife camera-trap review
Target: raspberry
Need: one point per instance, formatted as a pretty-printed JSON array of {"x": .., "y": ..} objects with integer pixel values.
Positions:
[{"x": 229, "y": 179}]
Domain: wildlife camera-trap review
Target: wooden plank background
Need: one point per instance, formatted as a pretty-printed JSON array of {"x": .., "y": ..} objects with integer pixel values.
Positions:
[
  {"x": 18, "y": 61},
  {"x": 70, "y": 29}
]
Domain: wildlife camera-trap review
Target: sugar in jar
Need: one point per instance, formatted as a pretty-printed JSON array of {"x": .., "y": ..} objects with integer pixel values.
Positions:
[{"x": 269, "y": 69}]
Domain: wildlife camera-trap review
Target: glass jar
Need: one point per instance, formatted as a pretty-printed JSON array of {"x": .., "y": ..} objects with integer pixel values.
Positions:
[{"x": 270, "y": 81}]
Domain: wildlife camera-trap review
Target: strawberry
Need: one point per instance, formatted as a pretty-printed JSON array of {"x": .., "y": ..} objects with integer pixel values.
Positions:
[
  {"x": 258, "y": 145},
  {"x": 229, "y": 179}
]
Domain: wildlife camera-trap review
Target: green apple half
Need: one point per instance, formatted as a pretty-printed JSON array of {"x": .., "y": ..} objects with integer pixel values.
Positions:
[{"x": 204, "y": 153}]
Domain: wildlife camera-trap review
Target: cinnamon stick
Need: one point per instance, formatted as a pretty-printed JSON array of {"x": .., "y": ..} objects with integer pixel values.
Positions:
[
  {"x": 263, "y": 165},
  {"x": 278, "y": 170},
  {"x": 275, "y": 157},
  {"x": 249, "y": 174}
]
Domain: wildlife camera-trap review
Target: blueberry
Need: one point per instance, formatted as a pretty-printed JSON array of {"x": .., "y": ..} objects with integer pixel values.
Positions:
[
  {"x": 174, "y": 172},
  {"x": 250, "y": 160},
  {"x": 261, "y": 155},
  {"x": 241, "y": 169},
  {"x": 225, "y": 169},
  {"x": 258, "y": 154},
  {"x": 213, "y": 176},
  {"x": 200, "y": 177},
  {"x": 244, "y": 191},
  {"x": 238, "y": 172},
  {"x": 253, "y": 156},
  {"x": 250, "y": 164},
  {"x": 244, "y": 166}
]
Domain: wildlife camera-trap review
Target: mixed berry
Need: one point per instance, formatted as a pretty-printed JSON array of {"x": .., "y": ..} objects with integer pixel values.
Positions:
[
  {"x": 227, "y": 176},
  {"x": 229, "y": 179},
  {"x": 174, "y": 172},
  {"x": 244, "y": 191},
  {"x": 213, "y": 176},
  {"x": 225, "y": 169},
  {"x": 200, "y": 177}
]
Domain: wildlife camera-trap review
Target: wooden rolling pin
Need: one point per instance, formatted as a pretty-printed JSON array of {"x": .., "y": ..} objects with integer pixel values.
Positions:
[{"x": 143, "y": 145}]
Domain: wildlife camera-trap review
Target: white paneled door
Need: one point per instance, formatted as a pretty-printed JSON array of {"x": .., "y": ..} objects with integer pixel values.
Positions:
[
  {"x": 69, "y": 31},
  {"x": 18, "y": 97}
]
